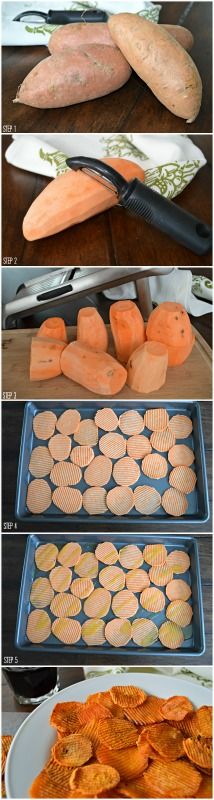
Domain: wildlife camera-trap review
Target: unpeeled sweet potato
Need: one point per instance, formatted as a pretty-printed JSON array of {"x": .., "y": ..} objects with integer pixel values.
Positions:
[
  {"x": 161, "y": 62},
  {"x": 73, "y": 76},
  {"x": 71, "y": 198},
  {"x": 79, "y": 34},
  {"x": 97, "y": 371},
  {"x": 182, "y": 35}
]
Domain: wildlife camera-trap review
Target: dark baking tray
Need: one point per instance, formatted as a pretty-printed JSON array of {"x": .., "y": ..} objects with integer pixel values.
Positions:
[
  {"x": 198, "y": 502},
  {"x": 193, "y": 646}
]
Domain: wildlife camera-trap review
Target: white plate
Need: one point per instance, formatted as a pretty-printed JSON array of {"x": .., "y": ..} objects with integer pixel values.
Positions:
[{"x": 31, "y": 745}]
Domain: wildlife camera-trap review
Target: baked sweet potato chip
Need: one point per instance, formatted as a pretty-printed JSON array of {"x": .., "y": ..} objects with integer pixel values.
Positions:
[{"x": 94, "y": 779}]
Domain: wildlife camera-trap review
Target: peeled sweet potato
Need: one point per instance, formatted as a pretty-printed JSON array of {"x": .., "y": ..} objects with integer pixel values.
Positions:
[
  {"x": 79, "y": 34},
  {"x": 73, "y": 76},
  {"x": 71, "y": 198},
  {"x": 182, "y": 35},
  {"x": 45, "y": 358},
  {"x": 91, "y": 329},
  {"x": 169, "y": 323},
  {"x": 127, "y": 328},
  {"x": 98, "y": 372},
  {"x": 53, "y": 328},
  {"x": 147, "y": 367},
  {"x": 161, "y": 62}
]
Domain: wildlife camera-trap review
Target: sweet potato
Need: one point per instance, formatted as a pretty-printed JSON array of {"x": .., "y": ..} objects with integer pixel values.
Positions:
[
  {"x": 45, "y": 358},
  {"x": 53, "y": 328},
  {"x": 169, "y": 323},
  {"x": 147, "y": 367},
  {"x": 127, "y": 328},
  {"x": 71, "y": 198},
  {"x": 73, "y": 76},
  {"x": 161, "y": 62},
  {"x": 98, "y": 372},
  {"x": 91, "y": 329},
  {"x": 79, "y": 34},
  {"x": 182, "y": 35}
]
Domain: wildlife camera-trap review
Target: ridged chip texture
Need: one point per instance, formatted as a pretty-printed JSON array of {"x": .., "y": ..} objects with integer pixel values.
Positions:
[
  {"x": 38, "y": 497},
  {"x": 69, "y": 554},
  {"x": 60, "y": 447},
  {"x": 112, "y": 445},
  {"x": 41, "y": 462},
  {"x": 46, "y": 556},
  {"x": 181, "y": 426},
  {"x": 66, "y": 630},
  {"x": 126, "y": 471},
  {"x": 106, "y": 419},
  {"x": 156, "y": 419},
  {"x": 87, "y": 433},
  {"x": 98, "y": 473},
  {"x": 82, "y": 455},
  {"x": 67, "y": 499},
  {"x": 174, "y": 503},
  {"x": 138, "y": 446},
  {"x": 68, "y": 422},
  {"x": 41, "y": 593},
  {"x": 94, "y": 500},
  {"x": 131, "y": 423},
  {"x": 147, "y": 500},
  {"x": 120, "y": 500},
  {"x": 44, "y": 424},
  {"x": 64, "y": 473}
]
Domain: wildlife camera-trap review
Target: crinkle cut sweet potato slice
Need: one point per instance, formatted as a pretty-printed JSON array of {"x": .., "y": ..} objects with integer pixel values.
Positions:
[
  {"x": 117, "y": 733},
  {"x": 130, "y": 696},
  {"x": 72, "y": 751},
  {"x": 166, "y": 740},
  {"x": 52, "y": 781},
  {"x": 147, "y": 713},
  {"x": 199, "y": 751},
  {"x": 94, "y": 779},
  {"x": 176, "y": 707},
  {"x": 174, "y": 779},
  {"x": 65, "y": 717},
  {"x": 129, "y": 762}
]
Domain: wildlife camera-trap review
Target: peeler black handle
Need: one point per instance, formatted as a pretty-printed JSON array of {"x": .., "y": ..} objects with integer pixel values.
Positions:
[
  {"x": 65, "y": 17},
  {"x": 157, "y": 210},
  {"x": 165, "y": 215}
]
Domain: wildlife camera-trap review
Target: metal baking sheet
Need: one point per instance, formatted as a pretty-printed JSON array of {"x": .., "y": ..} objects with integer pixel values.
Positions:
[
  {"x": 198, "y": 503},
  {"x": 194, "y": 645}
]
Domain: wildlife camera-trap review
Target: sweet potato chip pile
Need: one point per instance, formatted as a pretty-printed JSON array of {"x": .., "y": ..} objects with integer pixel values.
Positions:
[
  {"x": 5, "y": 746},
  {"x": 124, "y": 743},
  {"x": 109, "y": 595},
  {"x": 115, "y": 465}
]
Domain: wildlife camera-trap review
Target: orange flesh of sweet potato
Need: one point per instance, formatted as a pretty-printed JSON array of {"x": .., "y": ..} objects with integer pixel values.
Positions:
[
  {"x": 53, "y": 328},
  {"x": 127, "y": 328},
  {"x": 73, "y": 197},
  {"x": 147, "y": 367},
  {"x": 161, "y": 62},
  {"x": 97, "y": 371},
  {"x": 169, "y": 323},
  {"x": 45, "y": 358},
  {"x": 91, "y": 329}
]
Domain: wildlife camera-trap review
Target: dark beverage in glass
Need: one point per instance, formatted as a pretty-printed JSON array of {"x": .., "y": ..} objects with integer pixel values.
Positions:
[{"x": 32, "y": 684}]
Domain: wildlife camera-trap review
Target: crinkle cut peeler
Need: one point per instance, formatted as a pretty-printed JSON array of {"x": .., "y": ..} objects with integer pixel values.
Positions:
[
  {"x": 62, "y": 17},
  {"x": 144, "y": 202}
]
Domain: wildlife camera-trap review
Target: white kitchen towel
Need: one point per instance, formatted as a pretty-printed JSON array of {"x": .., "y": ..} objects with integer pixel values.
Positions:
[
  {"x": 200, "y": 675},
  {"x": 170, "y": 162},
  {"x": 176, "y": 288},
  {"x": 35, "y": 31}
]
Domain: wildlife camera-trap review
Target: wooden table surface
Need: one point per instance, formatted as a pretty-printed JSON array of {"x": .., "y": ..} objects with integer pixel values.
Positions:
[
  {"x": 13, "y": 549},
  {"x": 113, "y": 238},
  {"x": 132, "y": 108},
  {"x": 12, "y": 418},
  {"x": 191, "y": 379}
]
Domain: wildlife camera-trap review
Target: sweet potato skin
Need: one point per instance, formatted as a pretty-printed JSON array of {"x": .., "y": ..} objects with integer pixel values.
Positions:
[
  {"x": 74, "y": 76},
  {"x": 71, "y": 198},
  {"x": 161, "y": 62},
  {"x": 98, "y": 372},
  {"x": 79, "y": 34},
  {"x": 182, "y": 35}
]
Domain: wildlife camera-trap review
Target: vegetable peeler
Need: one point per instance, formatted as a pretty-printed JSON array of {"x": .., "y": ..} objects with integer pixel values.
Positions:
[
  {"x": 65, "y": 17},
  {"x": 144, "y": 202}
]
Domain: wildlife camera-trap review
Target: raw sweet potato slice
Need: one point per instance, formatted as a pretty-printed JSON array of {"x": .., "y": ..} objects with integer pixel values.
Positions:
[
  {"x": 87, "y": 566},
  {"x": 181, "y": 455},
  {"x": 125, "y": 604},
  {"x": 41, "y": 462},
  {"x": 171, "y": 635},
  {"x": 41, "y": 593},
  {"x": 155, "y": 554},
  {"x": 97, "y": 604},
  {"x": 154, "y": 466},
  {"x": 87, "y": 433},
  {"x": 113, "y": 445},
  {"x": 181, "y": 426},
  {"x": 64, "y": 473},
  {"x": 118, "y": 632},
  {"x": 183, "y": 478},
  {"x": 162, "y": 440},
  {"x": 45, "y": 357},
  {"x": 130, "y": 556},
  {"x": 178, "y": 560},
  {"x": 120, "y": 500},
  {"x": 179, "y": 611},
  {"x": 46, "y": 556},
  {"x": 82, "y": 455},
  {"x": 107, "y": 553},
  {"x": 68, "y": 422},
  {"x": 91, "y": 330},
  {"x": 94, "y": 779},
  {"x": 73, "y": 751},
  {"x": 94, "y": 500},
  {"x": 160, "y": 574},
  {"x": 126, "y": 471},
  {"x": 127, "y": 328},
  {"x": 152, "y": 599},
  {"x": 67, "y": 499},
  {"x": 138, "y": 446},
  {"x": 82, "y": 587},
  {"x": 98, "y": 372},
  {"x": 65, "y": 605},
  {"x": 144, "y": 632},
  {"x": 174, "y": 779},
  {"x": 156, "y": 419},
  {"x": 60, "y": 578},
  {"x": 98, "y": 473},
  {"x": 69, "y": 554},
  {"x": 44, "y": 424},
  {"x": 38, "y": 626},
  {"x": 131, "y": 423},
  {"x": 137, "y": 580},
  {"x": 59, "y": 446},
  {"x": 67, "y": 630},
  {"x": 147, "y": 367},
  {"x": 106, "y": 419},
  {"x": 53, "y": 328},
  {"x": 93, "y": 632},
  {"x": 146, "y": 500},
  {"x": 178, "y": 590},
  {"x": 174, "y": 503},
  {"x": 112, "y": 578},
  {"x": 38, "y": 497}
]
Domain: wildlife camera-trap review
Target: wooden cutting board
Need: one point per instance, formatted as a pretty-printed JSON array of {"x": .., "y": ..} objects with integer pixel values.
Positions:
[{"x": 191, "y": 380}]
